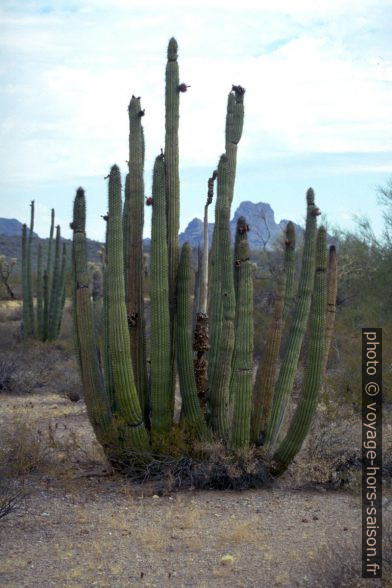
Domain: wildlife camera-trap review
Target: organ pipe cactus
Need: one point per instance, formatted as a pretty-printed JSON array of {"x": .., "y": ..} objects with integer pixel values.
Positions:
[
  {"x": 307, "y": 404},
  {"x": 43, "y": 321},
  {"x": 242, "y": 368},
  {"x": 161, "y": 374},
  {"x": 284, "y": 384},
  {"x": 233, "y": 412},
  {"x": 172, "y": 179},
  {"x": 192, "y": 413},
  {"x": 133, "y": 220}
]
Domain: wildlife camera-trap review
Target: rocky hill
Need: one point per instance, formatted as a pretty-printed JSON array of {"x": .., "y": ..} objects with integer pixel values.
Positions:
[
  {"x": 11, "y": 227},
  {"x": 264, "y": 229}
]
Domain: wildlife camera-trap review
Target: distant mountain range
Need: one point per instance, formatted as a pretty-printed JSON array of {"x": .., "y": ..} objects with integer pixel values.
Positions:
[
  {"x": 11, "y": 226},
  {"x": 260, "y": 217},
  {"x": 264, "y": 231}
]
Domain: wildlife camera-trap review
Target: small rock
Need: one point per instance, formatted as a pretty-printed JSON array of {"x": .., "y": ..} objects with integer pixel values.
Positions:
[{"x": 227, "y": 560}]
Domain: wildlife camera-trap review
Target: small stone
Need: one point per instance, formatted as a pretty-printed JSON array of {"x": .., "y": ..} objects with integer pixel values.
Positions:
[{"x": 227, "y": 560}]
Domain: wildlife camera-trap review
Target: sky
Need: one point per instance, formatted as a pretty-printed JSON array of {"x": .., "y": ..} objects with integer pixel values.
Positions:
[{"x": 318, "y": 80}]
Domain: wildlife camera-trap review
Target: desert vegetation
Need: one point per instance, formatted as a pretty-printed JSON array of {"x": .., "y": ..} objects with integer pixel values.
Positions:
[{"x": 120, "y": 414}]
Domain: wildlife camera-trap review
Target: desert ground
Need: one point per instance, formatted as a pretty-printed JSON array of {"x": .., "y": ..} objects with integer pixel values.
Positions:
[{"x": 74, "y": 522}]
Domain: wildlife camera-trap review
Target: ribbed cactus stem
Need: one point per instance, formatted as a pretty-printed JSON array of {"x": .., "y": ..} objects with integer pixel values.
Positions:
[
  {"x": 161, "y": 373},
  {"x": 284, "y": 384},
  {"x": 125, "y": 226},
  {"x": 332, "y": 288},
  {"x": 172, "y": 116},
  {"x": 49, "y": 274},
  {"x": 233, "y": 132},
  {"x": 128, "y": 411},
  {"x": 192, "y": 415},
  {"x": 201, "y": 336},
  {"x": 133, "y": 237},
  {"x": 289, "y": 268},
  {"x": 307, "y": 404},
  {"x": 25, "y": 309},
  {"x": 267, "y": 369},
  {"x": 242, "y": 368},
  {"x": 223, "y": 309},
  {"x": 62, "y": 292},
  {"x": 95, "y": 397},
  {"x": 40, "y": 296},
  {"x": 55, "y": 295}
]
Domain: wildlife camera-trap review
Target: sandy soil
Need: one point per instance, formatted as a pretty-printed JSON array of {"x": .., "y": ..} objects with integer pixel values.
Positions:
[{"x": 80, "y": 526}]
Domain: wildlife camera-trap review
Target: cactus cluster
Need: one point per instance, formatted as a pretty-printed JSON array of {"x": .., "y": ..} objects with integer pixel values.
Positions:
[
  {"x": 130, "y": 400},
  {"x": 43, "y": 320}
]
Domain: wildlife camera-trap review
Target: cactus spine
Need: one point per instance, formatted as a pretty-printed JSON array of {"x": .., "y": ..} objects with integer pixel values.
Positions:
[{"x": 133, "y": 246}]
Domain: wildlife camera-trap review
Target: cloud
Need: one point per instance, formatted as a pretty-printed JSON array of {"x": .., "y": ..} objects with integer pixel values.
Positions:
[{"x": 317, "y": 79}]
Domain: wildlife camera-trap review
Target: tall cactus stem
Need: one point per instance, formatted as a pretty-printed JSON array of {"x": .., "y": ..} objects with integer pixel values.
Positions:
[
  {"x": 284, "y": 384},
  {"x": 62, "y": 290},
  {"x": 96, "y": 400},
  {"x": 307, "y": 404},
  {"x": 289, "y": 269},
  {"x": 128, "y": 411},
  {"x": 201, "y": 336},
  {"x": 133, "y": 237},
  {"x": 233, "y": 132},
  {"x": 172, "y": 116},
  {"x": 55, "y": 295},
  {"x": 49, "y": 273},
  {"x": 192, "y": 415},
  {"x": 332, "y": 287},
  {"x": 242, "y": 368},
  {"x": 161, "y": 373},
  {"x": 25, "y": 308},
  {"x": 267, "y": 369},
  {"x": 40, "y": 296},
  {"x": 223, "y": 309}
]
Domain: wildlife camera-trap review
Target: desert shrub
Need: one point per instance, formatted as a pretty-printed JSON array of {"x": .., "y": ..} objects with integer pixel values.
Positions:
[
  {"x": 206, "y": 466},
  {"x": 7, "y": 371},
  {"x": 11, "y": 498}
]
